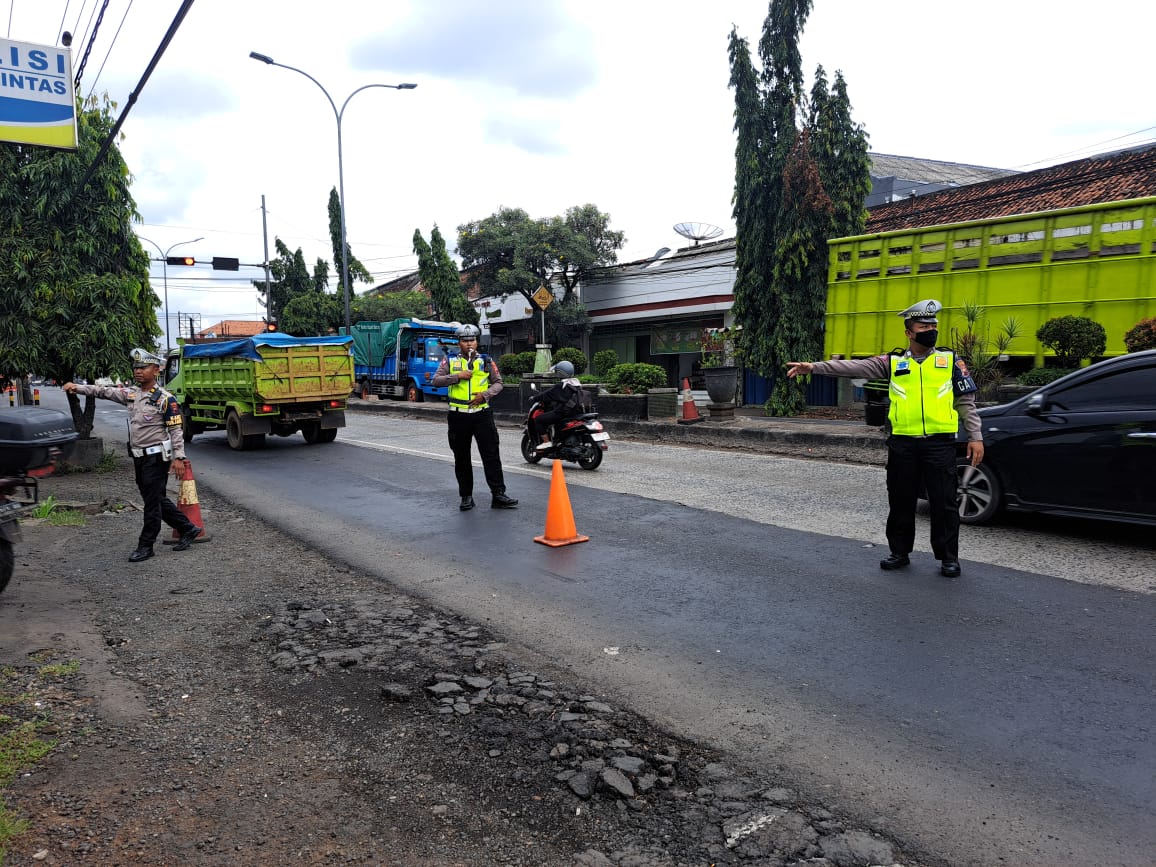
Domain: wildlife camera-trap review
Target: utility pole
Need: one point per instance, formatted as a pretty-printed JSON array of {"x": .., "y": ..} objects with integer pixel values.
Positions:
[{"x": 265, "y": 236}]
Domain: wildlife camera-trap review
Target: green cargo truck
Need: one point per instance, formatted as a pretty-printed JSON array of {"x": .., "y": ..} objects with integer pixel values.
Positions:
[
  {"x": 1097, "y": 261},
  {"x": 270, "y": 384}
]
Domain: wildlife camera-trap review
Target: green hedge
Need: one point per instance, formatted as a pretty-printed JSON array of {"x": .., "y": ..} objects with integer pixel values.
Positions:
[
  {"x": 1038, "y": 376},
  {"x": 635, "y": 378},
  {"x": 575, "y": 356}
]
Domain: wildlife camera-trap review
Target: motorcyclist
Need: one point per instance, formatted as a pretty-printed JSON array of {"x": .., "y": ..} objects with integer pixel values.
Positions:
[{"x": 561, "y": 401}]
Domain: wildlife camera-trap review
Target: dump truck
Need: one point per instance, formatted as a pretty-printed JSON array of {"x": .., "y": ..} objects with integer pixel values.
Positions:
[
  {"x": 269, "y": 384},
  {"x": 1097, "y": 261},
  {"x": 399, "y": 358}
]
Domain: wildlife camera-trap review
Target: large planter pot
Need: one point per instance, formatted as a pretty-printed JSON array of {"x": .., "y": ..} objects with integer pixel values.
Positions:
[{"x": 721, "y": 383}]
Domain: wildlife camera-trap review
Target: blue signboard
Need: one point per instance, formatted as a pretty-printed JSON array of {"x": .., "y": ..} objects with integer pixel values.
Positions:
[{"x": 37, "y": 102}]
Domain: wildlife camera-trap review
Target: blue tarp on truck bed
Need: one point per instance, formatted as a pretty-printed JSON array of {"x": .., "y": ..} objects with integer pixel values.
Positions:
[{"x": 246, "y": 347}]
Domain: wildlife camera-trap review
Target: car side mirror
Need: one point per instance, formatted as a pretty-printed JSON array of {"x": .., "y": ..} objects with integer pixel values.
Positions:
[{"x": 1037, "y": 403}]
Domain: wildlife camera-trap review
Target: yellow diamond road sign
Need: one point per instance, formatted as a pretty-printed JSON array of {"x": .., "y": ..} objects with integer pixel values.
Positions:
[{"x": 542, "y": 297}]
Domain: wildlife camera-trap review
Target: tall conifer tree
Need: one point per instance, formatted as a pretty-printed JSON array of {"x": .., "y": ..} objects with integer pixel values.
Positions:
[{"x": 784, "y": 207}]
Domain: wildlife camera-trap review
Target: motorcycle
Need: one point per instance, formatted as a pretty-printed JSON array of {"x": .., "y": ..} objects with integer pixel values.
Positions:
[
  {"x": 32, "y": 440},
  {"x": 12, "y": 508},
  {"x": 580, "y": 440}
]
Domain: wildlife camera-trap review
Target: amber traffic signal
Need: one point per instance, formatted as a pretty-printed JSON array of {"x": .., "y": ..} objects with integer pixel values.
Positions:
[{"x": 181, "y": 260}]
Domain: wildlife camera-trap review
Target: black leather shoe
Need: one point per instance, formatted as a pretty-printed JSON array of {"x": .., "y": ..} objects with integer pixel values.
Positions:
[
  {"x": 949, "y": 569},
  {"x": 141, "y": 553},
  {"x": 467, "y": 504},
  {"x": 894, "y": 561},
  {"x": 501, "y": 501},
  {"x": 187, "y": 539}
]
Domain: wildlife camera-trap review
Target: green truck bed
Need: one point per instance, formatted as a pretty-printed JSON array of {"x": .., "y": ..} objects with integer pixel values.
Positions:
[{"x": 284, "y": 374}]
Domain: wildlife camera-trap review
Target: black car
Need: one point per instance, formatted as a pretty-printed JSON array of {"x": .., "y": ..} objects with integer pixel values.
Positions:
[{"x": 1084, "y": 445}]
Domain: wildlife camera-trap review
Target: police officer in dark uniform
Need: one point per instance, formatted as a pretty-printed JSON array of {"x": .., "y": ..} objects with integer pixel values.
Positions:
[
  {"x": 473, "y": 379},
  {"x": 157, "y": 446},
  {"x": 931, "y": 391}
]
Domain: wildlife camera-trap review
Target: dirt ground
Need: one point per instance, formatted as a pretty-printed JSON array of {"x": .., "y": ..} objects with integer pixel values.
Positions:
[{"x": 251, "y": 702}]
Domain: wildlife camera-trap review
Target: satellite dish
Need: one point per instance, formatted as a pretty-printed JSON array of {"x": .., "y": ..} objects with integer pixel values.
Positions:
[
  {"x": 662, "y": 251},
  {"x": 697, "y": 231}
]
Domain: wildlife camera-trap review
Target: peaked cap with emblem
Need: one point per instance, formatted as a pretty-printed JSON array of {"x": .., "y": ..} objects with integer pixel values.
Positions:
[
  {"x": 923, "y": 311},
  {"x": 143, "y": 358}
]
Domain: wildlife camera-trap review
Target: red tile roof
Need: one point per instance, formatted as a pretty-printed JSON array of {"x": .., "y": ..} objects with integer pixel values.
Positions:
[
  {"x": 233, "y": 328},
  {"x": 1129, "y": 174}
]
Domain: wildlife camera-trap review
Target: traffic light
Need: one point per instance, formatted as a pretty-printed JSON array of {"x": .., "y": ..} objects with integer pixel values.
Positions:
[
  {"x": 272, "y": 326},
  {"x": 223, "y": 263},
  {"x": 181, "y": 260}
]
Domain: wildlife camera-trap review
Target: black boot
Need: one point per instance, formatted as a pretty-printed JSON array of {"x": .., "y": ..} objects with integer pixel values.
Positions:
[
  {"x": 501, "y": 501},
  {"x": 187, "y": 539},
  {"x": 141, "y": 553},
  {"x": 467, "y": 504}
]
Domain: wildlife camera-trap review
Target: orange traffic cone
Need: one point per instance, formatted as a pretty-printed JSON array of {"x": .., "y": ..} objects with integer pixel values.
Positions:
[
  {"x": 689, "y": 410},
  {"x": 189, "y": 505},
  {"x": 560, "y": 529}
]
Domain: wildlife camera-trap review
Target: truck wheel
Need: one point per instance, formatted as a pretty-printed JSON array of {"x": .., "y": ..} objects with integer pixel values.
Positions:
[
  {"x": 7, "y": 563},
  {"x": 187, "y": 425},
  {"x": 363, "y": 390},
  {"x": 327, "y": 435},
  {"x": 412, "y": 393},
  {"x": 237, "y": 440}
]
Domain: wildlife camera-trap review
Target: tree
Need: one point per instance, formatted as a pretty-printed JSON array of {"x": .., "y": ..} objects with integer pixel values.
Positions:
[
  {"x": 439, "y": 276},
  {"x": 511, "y": 252},
  {"x": 394, "y": 305},
  {"x": 289, "y": 278},
  {"x": 311, "y": 315},
  {"x": 357, "y": 271},
  {"x": 74, "y": 288},
  {"x": 795, "y": 187}
]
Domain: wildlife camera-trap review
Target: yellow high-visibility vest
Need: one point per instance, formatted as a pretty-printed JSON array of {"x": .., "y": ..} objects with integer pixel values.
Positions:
[
  {"x": 922, "y": 395},
  {"x": 460, "y": 393}
]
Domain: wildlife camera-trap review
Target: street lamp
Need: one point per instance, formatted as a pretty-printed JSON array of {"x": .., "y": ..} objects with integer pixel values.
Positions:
[
  {"x": 165, "y": 266},
  {"x": 264, "y": 58}
]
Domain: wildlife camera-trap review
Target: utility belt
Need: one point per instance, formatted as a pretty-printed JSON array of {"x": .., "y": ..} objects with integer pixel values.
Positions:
[
  {"x": 468, "y": 408},
  {"x": 164, "y": 449},
  {"x": 937, "y": 436}
]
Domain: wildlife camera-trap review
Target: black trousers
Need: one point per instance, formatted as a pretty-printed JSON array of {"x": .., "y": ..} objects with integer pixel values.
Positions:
[
  {"x": 930, "y": 460},
  {"x": 152, "y": 474},
  {"x": 540, "y": 424},
  {"x": 465, "y": 427}
]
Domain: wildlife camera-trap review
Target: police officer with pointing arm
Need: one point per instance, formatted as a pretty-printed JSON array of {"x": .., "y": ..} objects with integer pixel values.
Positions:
[
  {"x": 157, "y": 445},
  {"x": 473, "y": 379},
  {"x": 931, "y": 391}
]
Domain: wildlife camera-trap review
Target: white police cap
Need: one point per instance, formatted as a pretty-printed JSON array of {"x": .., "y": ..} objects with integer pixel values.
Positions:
[
  {"x": 923, "y": 311},
  {"x": 142, "y": 357}
]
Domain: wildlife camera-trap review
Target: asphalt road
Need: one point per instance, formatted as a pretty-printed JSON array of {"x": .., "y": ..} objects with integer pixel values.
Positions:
[{"x": 1005, "y": 717}]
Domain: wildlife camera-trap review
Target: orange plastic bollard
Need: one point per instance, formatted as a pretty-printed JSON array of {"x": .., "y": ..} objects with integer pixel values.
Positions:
[
  {"x": 560, "y": 528},
  {"x": 190, "y": 506},
  {"x": 689, "y": 409},
  {"x": 36, "y": 397}
]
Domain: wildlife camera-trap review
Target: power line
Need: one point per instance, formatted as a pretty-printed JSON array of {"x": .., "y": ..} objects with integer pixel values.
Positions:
[
  {"x": 63, "y": 16},
  {"x": 108, "y": 53},
  {"x": 1088, "y": 147}
]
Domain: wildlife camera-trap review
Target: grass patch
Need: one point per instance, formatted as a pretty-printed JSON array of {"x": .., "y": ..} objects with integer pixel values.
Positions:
[
  {"x": 66, "y": 518},
  {"x": 44, "y": 508},
  {"x": 27, "y": 716},
  {"x": 59, "y": 669}
]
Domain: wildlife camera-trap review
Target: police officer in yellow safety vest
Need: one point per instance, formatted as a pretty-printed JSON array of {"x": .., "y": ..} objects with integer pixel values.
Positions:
[
  {"x": 157, "y": 446},
  {"x": 931, "y": 391},
  {"x": 473, "y": 379}
]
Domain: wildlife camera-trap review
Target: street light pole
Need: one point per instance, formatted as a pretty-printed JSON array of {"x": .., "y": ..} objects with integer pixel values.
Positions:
[
  {"x": 165, "y": 271},
  {"x": 338, "y": 114}
]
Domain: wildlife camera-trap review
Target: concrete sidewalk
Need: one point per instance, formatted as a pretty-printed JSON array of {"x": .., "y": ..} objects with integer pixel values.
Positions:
[{"x": 750, "y": 431}]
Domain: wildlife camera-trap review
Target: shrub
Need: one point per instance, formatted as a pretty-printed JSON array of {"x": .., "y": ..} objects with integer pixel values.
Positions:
[
  {"x": 1072, "y": 339},
  {"x": 635, "y": 378},
  {"x": 575, "y": 356},
  {"x": 1141, "y": 336},
  {"x": 508, "y": 365},
  {"x": 604, "y": 360},
  {"x": 526, "y": 361},
  {"x": 1038, "y": 376}
]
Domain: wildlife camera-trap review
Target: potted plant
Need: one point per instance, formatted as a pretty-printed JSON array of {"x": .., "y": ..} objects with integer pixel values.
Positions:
[{"x": 720, "y": 346}]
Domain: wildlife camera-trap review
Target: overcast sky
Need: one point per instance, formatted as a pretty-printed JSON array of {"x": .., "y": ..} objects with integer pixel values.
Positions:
[{"x": 545, "y": 104}]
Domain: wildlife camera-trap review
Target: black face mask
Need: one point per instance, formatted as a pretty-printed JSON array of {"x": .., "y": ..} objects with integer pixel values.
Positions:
[{"x": 927, "y": 338}]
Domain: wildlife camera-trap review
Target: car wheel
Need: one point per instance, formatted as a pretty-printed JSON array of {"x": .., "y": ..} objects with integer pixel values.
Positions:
[{"x": 979, "y": 491}]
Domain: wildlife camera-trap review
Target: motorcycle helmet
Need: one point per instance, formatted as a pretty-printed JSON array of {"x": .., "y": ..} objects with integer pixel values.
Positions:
[
  {"x": 468, "y": 332},
  {"x": 564, "y": 369}
]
